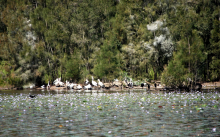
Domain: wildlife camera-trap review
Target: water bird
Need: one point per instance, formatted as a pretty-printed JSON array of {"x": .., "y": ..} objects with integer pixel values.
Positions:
[
  {"x": 32, "y": 96},
  {"x": 155, "y": 85},
  {"x": 42, "y": 86},
  {"x": 142, "y": 85},
  {"x": 67, "y": 83},
  {"x": 72, "y": 85},
  {"x": 116, "y": 79},
  {"x": 58, "y": 82},
  {"x": 93, "y": 82},
  {"x": 32, "y": 86},
  {"x": 48, "y": 85},
  {"x": 79, "y": 87},
  {"x": 100, "y": 83},
  {"x": 88, "y": 87},
  {"x": 130, "y": 84},
  {"x": 86, "y": 82}
]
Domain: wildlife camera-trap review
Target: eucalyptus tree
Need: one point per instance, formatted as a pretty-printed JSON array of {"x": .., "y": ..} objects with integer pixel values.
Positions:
[
  {"x": 215, "y": 49},
  {"x": 19, "y": 42},
  {"x": 189, "y": 53},
  {"x": 108, "y": 66},
  {"x": 126, "y": 25},
  {"x": 89, "y": 23},
  {"x": 159, "y": 46},
  {"x": 51, "y": 21}
]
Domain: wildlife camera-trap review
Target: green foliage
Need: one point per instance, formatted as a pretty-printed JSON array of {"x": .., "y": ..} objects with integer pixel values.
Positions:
[
  {"x": 186, "y": 62},
  {"x": 77, "y": 39},
  {"x": 15, "y": 81},
  {"x": 72, "y": 69},
  {"x": 215, "y": 41},
  {"x": 174, "y": 74},
  {"x": 8, "y": 76},
  {"x": 108, "y": 62}
]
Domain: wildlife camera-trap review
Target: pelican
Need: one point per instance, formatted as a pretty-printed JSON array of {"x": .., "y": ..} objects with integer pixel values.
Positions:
[
  {"x": 42, "y": 86},
  {"x": 48, "y": 85},
  {"x": 88, "y": 87},
  {"x": 79, "y": 87},
  {"x": 61, "y": 84},
  {"x": 31, "y": 86},
  {"x": 72, "y": 85},
  {"x": 58, "y": 82},
  {"x": 93, "y": 82},
  {"x": 55, "y": 81},
  {"x": 86, "y": 82},
  {"x": 100, "y": 83},
  {"x": 67, "y": 84},
  {"x": 130, "y": 84},
  {"x": 116, "y": 80}
]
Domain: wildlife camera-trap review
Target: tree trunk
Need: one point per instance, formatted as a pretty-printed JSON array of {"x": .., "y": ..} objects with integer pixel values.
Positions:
[
  {"x": 155, "y": 73},
  {"x": 189, "y": 54}
]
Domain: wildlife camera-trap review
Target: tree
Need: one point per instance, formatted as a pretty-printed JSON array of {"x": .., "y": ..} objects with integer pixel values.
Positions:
[
  {"x": 215, "y": 41},
  {"x": 72, "y": 69},
  {"x": 108, "y": 62}
]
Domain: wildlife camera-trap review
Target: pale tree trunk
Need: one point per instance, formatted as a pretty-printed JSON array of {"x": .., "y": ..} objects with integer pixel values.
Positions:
[
  {"x": 189, "y": 54},
  {"x": 155, "y": 73}
]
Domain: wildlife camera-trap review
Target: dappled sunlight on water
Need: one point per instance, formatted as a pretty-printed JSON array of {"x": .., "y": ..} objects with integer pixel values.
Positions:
[{"x": 138, "y": 113}]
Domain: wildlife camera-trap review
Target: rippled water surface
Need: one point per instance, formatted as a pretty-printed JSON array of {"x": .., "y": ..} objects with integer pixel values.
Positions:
[{"x": 132, "y": 113}]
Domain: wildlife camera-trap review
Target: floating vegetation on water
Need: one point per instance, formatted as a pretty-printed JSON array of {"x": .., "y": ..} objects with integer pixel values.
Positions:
[{"x": 115, "y": 114}]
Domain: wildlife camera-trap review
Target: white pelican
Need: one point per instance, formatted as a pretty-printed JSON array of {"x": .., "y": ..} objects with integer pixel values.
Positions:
[
  {"x": 116, "y": 80},
  {"x": 67, "y": 82},
  {"x": 42, "y": 86},
  {"x": 55, "y": 81},
  {"x": 88, "y": 87},
  {"x": 72, "y": 85},
  {"x": 130, "y": 84},
  {"x": 86, "y": 82},
  {"x": 61, "y": 84},
  {"x": 100, "y": 83},
  {"x": 48, "y": 85},
  {"x": 79, "y": 87},
  {"x": 94, "y": 83},
  {"x": 58, "y": 82}
]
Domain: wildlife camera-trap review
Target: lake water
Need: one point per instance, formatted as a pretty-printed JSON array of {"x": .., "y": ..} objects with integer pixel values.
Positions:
[{"x": 112, "y": 113}]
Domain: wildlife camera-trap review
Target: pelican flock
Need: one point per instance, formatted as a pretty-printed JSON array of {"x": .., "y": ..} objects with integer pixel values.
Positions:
[{"x": 89, "y": 85}]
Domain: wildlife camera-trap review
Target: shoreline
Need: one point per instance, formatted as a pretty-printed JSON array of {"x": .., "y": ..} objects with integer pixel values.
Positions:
[{"x": 205, "y": 85}]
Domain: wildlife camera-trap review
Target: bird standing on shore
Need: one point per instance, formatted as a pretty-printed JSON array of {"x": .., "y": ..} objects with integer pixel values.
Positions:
[
  {"x": 86, "y": 82},
  {"x": 79, "y": 87},
  {"x": 88, "y": 87},
  {"x": 142, "y": 85},
  {"x": 100, "y": 83},
  {"x": 42, "y": 86},
  {"x": 94, "y": 83},
  {"x": 48, "y": 85}
]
